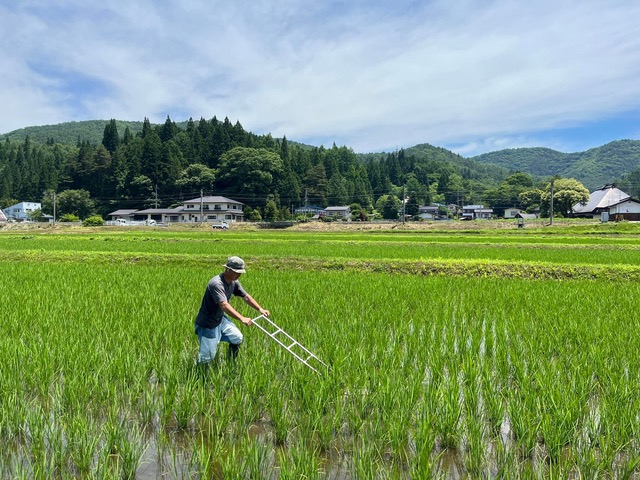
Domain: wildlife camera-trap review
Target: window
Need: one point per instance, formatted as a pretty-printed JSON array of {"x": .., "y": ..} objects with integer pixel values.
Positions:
[{"x": 228, "y": 217}]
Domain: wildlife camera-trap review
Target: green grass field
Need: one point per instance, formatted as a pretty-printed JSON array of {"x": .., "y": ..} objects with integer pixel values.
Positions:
[{"x": 470, "y": 354}]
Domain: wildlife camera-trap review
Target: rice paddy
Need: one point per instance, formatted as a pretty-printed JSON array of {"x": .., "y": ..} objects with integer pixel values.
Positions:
[{"x": 451, "y": 355}]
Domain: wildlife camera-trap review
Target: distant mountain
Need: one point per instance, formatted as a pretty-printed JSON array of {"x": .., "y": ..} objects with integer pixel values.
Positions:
[
  {"x": 426, "y": 154},
  {"x": 70, "y": 132},
  {"x": 594, "y": 168}
]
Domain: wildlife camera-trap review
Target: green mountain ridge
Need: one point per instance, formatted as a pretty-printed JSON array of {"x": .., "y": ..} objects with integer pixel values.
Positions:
[{"x": 594, "y": 167}]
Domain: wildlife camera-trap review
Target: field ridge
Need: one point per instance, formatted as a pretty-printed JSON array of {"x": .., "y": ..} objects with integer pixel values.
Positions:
[{"x": 434, "y": 267}]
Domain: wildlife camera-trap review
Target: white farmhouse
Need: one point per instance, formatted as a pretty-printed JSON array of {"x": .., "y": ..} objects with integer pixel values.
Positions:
[
  {"x": 202, "y": 209},
  {"x": 610, "y": 201}
]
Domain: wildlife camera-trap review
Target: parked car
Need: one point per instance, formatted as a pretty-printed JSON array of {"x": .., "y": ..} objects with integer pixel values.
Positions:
[{"x": 223, "y": 225}]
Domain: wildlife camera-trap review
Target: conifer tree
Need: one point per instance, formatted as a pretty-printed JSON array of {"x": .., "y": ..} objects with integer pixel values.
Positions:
[{"x": 110, "y": 138}]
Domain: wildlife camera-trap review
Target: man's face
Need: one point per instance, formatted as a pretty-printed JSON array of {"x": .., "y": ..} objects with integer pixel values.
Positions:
[{"x": 231, "y": 275}]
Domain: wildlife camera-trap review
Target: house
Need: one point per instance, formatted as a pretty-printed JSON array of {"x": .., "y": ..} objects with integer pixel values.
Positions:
[
  {"x": 512, "y": 212},
  {"x": 475, "y": 212},
  {"x": 201, "y": 209},
  {"x": 428, "y": 212},
  {"x": 609, "y": 202},
  {"x": 3, "y": 219},
  {"x": 342, "y": 212},
  {"x": 213, "y": 208},
  {"x": 22, "y": 211},
  {"x": 309, "y": 210}
]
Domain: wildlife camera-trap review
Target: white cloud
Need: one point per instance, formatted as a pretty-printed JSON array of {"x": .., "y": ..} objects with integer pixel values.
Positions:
[{"x": 369, "y": 75}]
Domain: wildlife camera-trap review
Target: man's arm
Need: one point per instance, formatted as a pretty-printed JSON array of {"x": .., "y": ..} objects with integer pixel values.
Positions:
[
  {"x": 249, "y": 300},
  {"x": 232, "y": 312}
]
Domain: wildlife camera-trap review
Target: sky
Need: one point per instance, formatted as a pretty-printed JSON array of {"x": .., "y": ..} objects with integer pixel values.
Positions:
[{"x": 472, "y": 76}]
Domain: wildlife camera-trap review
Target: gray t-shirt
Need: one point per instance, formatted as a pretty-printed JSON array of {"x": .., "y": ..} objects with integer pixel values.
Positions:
[{"x": 218, "y": 291}]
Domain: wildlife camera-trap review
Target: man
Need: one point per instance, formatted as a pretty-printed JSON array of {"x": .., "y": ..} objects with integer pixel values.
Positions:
[{"x": 212, "y": 322}]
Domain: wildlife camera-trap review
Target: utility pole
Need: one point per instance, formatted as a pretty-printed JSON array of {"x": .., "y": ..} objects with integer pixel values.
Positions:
[
  {"x": 54, "y": 209},
  {"x": 551, "y": 205},
  {"x": 403, "y": 203},
  {"x": 201, "y": 206},
  {"x": 156, "y": 196}
]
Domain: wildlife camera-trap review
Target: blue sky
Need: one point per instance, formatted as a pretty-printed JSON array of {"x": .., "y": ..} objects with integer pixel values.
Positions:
[{"x": 470, "y": 76}]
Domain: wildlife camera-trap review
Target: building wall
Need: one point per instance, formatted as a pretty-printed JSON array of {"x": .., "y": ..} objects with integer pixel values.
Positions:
[
  {"x": 625, "y": 207},
  {"x": 511, "y": 212}
]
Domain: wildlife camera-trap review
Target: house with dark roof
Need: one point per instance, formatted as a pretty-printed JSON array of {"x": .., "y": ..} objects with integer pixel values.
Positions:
[
  {"x": 343, "y": 211},
  {"x": 123, "y": 214},
  {"x": 609, "y": 202},
  {"x": 476, "y": 212}
]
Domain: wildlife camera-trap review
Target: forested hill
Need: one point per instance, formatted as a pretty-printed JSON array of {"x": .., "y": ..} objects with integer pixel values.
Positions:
[
  {"x": 594, "y": 167},
  {"x": 136, "y": 164}
]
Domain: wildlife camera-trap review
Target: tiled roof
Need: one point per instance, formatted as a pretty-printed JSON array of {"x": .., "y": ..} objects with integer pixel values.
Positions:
[{"x": 605, "y": 197}]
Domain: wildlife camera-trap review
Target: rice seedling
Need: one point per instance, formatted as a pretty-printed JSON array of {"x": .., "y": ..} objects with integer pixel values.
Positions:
[
  {"x": 82, "y": 442},
  {"x": 475, "y": 455},
  {"x": 448, "y": 413},
  {"x": 206, "y": 456},
  {"x": 280, "y": 415},
  {"x": 130, "y": 450},
  {"x": 231, "y": 463},
  {"x": 493, "y": 402},
  {"x": 424, "y": 460},
  {"x": 300, "y": 460},
  {"x": 365, "y": 460}
]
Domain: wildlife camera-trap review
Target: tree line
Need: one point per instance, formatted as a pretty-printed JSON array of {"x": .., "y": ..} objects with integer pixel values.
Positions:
[{"x": 164, "y": 165}]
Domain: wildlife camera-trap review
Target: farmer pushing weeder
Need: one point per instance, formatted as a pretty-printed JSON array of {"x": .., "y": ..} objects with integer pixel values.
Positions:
[{"x": 213, "y": 324}]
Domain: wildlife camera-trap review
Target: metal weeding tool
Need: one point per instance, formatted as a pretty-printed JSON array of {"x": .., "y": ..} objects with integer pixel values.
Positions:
[{"x": 274, "y": 330}]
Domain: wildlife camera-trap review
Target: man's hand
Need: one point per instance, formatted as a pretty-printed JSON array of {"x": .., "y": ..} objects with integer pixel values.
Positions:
[
  {"x": 264, "y": 312},
  {"x": 247, "y": 321}
]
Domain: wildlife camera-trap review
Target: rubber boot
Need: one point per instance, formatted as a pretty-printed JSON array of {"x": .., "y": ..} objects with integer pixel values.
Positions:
[
  {"x": 202, "y": 369},
  {"x": 233, "y": 351}
]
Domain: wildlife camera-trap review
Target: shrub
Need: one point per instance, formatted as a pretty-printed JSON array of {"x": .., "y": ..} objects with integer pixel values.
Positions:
[
  {"x": 69, "y": 217},
  {"x": 93, "y": 221}
]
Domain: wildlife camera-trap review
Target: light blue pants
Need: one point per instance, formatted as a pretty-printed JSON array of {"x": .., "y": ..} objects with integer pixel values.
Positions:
[{"x": 208, "y": 338}]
